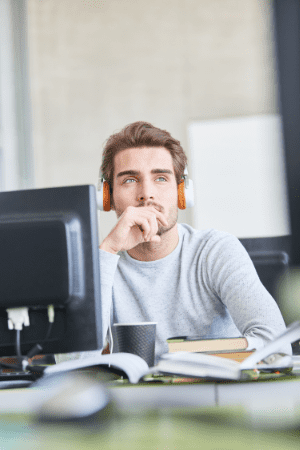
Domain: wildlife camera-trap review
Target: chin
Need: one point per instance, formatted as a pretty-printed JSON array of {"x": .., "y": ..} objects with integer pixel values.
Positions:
[{"x": 163, "y": 230}]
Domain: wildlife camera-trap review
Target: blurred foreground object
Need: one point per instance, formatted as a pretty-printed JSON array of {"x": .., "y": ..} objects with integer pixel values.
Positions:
[{"x": 288, "y": 289}]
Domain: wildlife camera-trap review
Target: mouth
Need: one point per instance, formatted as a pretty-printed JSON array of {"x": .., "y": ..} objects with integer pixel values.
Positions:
[{"x": 159, "y": 208}]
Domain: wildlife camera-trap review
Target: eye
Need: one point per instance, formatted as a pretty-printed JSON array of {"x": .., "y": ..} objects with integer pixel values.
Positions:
[
  {"x": 133, "y": 179},
  {"x": 128, "y": 179}
]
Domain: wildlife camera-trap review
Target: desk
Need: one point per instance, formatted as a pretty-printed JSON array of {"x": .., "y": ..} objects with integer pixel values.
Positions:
[
  {"x": 168, "y": 417},
  {"x": 267, "y": 404}
]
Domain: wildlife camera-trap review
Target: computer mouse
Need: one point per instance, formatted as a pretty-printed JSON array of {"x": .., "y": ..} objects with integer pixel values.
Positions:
[{"x": 73, "y": 397}]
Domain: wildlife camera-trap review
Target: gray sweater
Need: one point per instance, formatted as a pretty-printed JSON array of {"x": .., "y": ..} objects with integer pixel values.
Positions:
[{"x": 207, "y": 286}]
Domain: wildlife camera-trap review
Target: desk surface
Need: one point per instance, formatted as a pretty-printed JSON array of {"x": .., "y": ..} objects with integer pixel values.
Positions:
[
  {"x": 160, "y": 429},
  {"x": 257, "y": 415}
]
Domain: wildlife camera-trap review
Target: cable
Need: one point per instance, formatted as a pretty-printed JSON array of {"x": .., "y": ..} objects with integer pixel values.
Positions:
[
  {"x": 51, "y": 313},
  {"x": 48, "y": 332},
  {"x": 18, "y": 344},
  {"x": 35, "y": 370},
  {"x": 17, "y": 317},
  {"x": 11, "y": 366},
  {"x": 38, "y": 348}
]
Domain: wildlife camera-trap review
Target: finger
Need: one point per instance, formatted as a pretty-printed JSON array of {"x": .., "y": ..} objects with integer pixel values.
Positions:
[
  {"x": 163, "y": 219},
  {"x": 144, "y": 226},
  {"x": 153, "y": 226},
  {"x": 149, "y": 210},
  {"x": 160, "y": 216},
  {"x": 148, "y": 225},
  {"x": 155, "y": 239}
]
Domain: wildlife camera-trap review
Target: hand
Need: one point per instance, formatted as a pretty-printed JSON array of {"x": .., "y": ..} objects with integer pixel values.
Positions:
[{"x": 135, "y": 226}]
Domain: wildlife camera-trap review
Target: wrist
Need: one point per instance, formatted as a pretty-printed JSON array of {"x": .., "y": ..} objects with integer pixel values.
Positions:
[{"x": 108, "y": 247}]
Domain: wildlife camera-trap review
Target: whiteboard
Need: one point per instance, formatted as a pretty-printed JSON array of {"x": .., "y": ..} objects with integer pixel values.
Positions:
[{"x": 238, "y": 169}]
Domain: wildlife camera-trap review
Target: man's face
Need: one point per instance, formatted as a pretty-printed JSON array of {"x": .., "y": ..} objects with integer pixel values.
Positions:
[{"x": 145, "y": 177}]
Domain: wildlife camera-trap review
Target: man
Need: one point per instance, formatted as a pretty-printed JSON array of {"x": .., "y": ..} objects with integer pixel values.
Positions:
[{"x": 155, "y": 270}]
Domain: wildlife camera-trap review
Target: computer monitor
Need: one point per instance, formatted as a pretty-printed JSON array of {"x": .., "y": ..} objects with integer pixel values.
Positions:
[
  {"x": 287, "y": 46},
  {"x": 49, "y": 256},
  {"x": 287, "y": 40}
]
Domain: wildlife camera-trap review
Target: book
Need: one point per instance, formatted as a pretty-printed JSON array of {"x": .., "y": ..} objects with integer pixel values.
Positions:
[
  {"x": 238, "y": 356},
  {"x": 132, "y": 365},
  {"x": 203, "y": 365},
  {"x": 198, "y": 365},
  {"x": 232, "y": 348},
  {"x": 196, "y": 344},
  {"x": 183, "y": 363},
  {"x": 190, "y": 364}
]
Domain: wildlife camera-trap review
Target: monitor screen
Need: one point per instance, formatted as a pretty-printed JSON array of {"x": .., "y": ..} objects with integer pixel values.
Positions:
[
  {"x": 49, "y": 256},
  {"x": 287, "y": 44}
]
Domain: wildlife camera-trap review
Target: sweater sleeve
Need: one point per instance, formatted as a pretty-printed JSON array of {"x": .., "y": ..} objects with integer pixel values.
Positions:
[
  {"x": 108, "y": 267},
  {"x": 235, "y": 281}
]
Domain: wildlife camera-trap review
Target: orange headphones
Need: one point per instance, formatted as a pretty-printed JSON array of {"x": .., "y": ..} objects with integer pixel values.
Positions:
[{"x": 185, "y": 194}]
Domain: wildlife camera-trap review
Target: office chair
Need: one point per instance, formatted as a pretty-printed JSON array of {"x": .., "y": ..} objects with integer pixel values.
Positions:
[{"x": 271, "y": 267}]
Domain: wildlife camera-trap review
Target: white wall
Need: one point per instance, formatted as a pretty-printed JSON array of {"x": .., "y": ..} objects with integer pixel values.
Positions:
[
  {"x": 96, "y": 66},
  {"x": 16, "y": 159},
  {"x": 9, "y": 170}
]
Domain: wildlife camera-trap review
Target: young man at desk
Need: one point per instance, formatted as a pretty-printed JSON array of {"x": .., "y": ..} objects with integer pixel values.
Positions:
[{"x": 191, "y": 282}]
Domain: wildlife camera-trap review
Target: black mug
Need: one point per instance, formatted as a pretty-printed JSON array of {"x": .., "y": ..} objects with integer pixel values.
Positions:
[{"x": 136, "y": 338}]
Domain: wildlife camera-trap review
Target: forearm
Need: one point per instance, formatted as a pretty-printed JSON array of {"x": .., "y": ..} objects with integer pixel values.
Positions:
[
  {"x": 257, "y": 339},
  {"x": 235, "y": 280}
]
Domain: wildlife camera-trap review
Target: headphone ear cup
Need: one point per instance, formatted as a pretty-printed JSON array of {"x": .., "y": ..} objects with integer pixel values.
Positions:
[
  {"x": 106, "y": 196},
  {"x": 181, "y": 196}
]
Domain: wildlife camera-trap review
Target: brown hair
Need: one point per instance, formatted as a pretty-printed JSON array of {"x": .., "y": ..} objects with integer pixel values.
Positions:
[{"x": 141, "y": 134}]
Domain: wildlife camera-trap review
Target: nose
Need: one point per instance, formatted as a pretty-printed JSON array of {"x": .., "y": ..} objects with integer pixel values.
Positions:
[{"x": 146, "y": 191}]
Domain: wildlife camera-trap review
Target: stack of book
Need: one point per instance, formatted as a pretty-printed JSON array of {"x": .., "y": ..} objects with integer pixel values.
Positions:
[
  {"x": 226, "y": 358},
  {"x": 232, "y": 348}
]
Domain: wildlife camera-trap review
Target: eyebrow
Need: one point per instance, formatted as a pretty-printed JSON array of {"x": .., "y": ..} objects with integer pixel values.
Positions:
[{"x": 136, "y": 172}]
